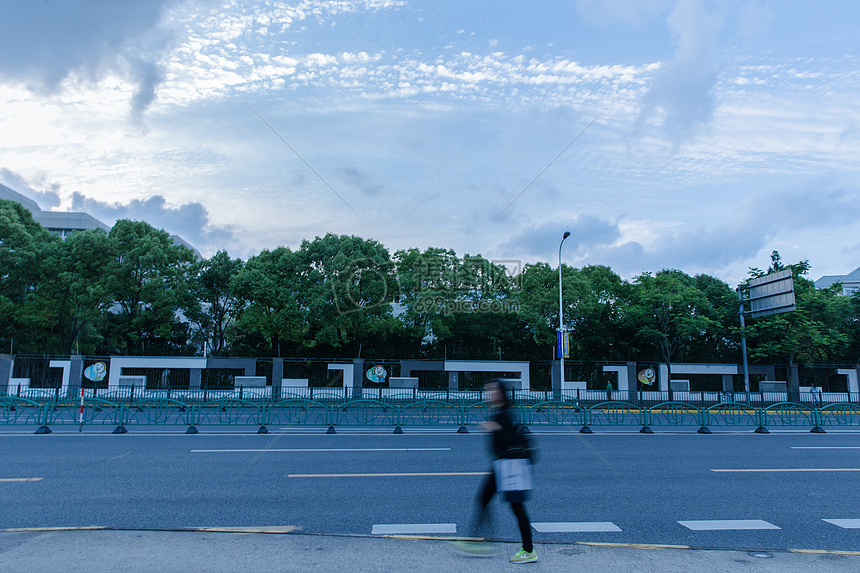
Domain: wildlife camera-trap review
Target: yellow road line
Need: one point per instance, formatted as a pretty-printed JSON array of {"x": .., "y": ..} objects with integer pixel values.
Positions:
[
  {"x": 7, "y": 480},
  {"x": 38, "y": 529},
  {"x": 824, "y": 552},
  {"x": 763, "y": 470},
  {"x": 406, "y": 474},
  {"x": 431, "y": 538},
  {"x": 248, "y": 530},
  {"x": 632, "y": 545}
]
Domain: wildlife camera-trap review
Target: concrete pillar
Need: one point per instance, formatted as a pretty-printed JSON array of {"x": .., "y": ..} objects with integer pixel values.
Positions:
[
  {"x": 76, "y": 371},
  {"x": 357, "y": 376},
  {"x": 663, "y": 378},
  {"x": 277, "y": 375},
  {"x": 195, "y": 379},
  {"x": 793, "y": 384},
  {"x": 555, "y": 377},
  {"x": 6, "y": 361},
  {"x": 633, "y": 382}
]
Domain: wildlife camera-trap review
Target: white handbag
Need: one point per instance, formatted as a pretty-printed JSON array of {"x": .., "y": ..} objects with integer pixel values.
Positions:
[{"x": 513, "y": 474}]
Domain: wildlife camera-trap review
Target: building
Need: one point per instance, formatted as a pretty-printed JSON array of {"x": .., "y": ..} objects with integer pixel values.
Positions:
[
  {"x": 850, "y": 282},
  {"x": 64, "y": 223}
]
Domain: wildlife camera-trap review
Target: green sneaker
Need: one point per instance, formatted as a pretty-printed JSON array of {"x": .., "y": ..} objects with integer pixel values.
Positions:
[
  {"x": 523, "y": 556},
  {"x": 474, "y": 548}
]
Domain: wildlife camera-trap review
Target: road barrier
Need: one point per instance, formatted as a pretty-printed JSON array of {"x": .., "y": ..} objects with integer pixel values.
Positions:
[{"x": 460, "y": 414}]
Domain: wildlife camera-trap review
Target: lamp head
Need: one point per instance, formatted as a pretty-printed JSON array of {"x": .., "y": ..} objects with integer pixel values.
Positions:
[{"x": 566, "y": 235}]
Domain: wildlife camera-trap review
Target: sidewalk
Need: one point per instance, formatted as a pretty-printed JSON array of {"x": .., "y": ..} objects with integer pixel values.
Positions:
[{"x": 109, "y": 551}]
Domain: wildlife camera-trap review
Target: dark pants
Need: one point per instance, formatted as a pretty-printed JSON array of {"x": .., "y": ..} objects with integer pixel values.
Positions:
[{"x": 488, "y": 490}]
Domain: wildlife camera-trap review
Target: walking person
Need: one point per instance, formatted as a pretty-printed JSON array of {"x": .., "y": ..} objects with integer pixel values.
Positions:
[
  {"x": 511, "y": 474},
  {"x": 816, "y": 394}
]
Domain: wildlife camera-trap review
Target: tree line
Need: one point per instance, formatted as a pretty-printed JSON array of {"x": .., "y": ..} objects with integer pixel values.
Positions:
[{"x": 132, "y": 291}]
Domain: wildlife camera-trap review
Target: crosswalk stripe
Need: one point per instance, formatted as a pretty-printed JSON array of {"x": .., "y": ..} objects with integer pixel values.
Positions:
[
  {"x": 727, "y": 524},
  {"x": 413, "y": 528},
  {"x": 844, "y": 523},
  {"x": 576, "y": 527}
]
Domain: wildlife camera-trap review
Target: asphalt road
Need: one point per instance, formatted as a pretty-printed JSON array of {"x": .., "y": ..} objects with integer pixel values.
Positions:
[{"x": 648, "y": 489}]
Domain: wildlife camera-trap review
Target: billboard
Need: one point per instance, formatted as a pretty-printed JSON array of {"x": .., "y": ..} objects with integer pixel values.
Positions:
[{"x": 770, "y": 294}]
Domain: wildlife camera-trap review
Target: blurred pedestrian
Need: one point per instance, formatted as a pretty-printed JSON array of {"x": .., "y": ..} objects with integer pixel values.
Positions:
[
  {"x": 608, "y": 391},
  {"x": 511, "y": 474},
  {"x": 815, "y": 392}
]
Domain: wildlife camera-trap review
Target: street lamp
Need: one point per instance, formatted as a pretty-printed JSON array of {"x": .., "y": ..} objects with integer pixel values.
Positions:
[{"x": 561, "y": 312}]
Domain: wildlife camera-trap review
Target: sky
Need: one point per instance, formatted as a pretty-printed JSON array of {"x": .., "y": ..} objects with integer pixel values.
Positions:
[{"x": 680, "y": 134}]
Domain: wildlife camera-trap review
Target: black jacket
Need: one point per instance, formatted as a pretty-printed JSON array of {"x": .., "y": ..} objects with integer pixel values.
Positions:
[{"x": 507, "y": 442}]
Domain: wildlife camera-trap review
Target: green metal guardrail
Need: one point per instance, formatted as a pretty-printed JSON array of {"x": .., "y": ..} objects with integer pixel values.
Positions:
[{"x": 365, "y": 412}]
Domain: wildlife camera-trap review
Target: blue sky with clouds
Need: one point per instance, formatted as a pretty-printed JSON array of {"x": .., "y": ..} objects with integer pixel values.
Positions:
[{"x": 717, "y": 131}]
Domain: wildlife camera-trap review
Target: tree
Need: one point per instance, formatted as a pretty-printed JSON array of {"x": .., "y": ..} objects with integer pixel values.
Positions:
[
  {"x": 271, "y": 289},
  {"x": 219, "y": 304},
  {"x": 426, "y": 281},
  {"x": 670, "y": 311},
  {"x": 816, "y": 331},
  {"x": 74, "y": 298},
  {"x": 23, "y": 243},
  {"x": 148, "y": 280},
  {"x": 720, "y": 342},
  {"x": 351, "y": 287},
  {"x": 601, "y": 331}
]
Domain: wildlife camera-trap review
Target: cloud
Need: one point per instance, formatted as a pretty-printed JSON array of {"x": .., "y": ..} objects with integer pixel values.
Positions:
[
  {"x": 586, "y": 232},
  {"x": 45, "y": 199},
  {"x": 680, "y": 98},
  {"x": 633, "y": 12},
  {"x": 148, "y": 76},
  {"x": 754, "y": 21},
  {"x": 808, "y": 205},
  {"x": 632, "y": 247},
  {"x": 359, "y": 179},
  {"x": 55, "y": 39},
  {"x": 190, "y": 221}
]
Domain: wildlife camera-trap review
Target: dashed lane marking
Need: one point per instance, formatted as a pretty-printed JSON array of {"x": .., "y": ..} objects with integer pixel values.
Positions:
[
  {"x": 765, "y": 470},
  {"x": 576, "y": 527},
  {"x": 12, "y": 480},
  {"x": 727, "y": 524},
  {"x": 844, "y": 523},
  {"x": 825, "y": 447},
  {"x": 413, "y": 528}
]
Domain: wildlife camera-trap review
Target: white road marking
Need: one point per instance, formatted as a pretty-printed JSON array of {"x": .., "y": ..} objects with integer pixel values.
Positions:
[
  {"x": 328, "y": 450},
  {"x": 727, "y": 524},
  {"x": 825, "y": 447},
  {"x": 7, "y": 480},
  {"x": 766, "y": 470},
  {"x": 844, "y": 523},
  {"x": 413, "y": 528},
  {"x": 576, "y": 527}
]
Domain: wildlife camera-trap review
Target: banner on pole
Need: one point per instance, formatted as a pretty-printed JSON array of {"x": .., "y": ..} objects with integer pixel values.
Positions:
[{"x": 563, "y": 344}]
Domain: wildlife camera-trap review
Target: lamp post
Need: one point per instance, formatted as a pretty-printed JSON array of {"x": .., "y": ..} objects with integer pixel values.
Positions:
[{"x": 561, "y": 312}]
